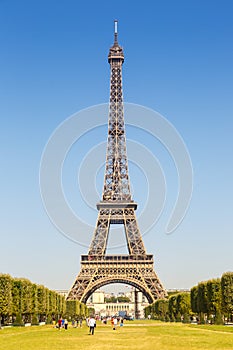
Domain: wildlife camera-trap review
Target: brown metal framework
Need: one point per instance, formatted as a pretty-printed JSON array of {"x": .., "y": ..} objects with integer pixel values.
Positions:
[{"x": 116, "y": 207}]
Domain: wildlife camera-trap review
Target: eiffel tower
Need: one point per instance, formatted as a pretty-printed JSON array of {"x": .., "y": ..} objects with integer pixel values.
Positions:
[{"x": 116, "y": 207}]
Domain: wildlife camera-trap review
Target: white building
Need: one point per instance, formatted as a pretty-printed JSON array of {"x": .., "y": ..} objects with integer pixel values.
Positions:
[{"x": 134, "y": 308}]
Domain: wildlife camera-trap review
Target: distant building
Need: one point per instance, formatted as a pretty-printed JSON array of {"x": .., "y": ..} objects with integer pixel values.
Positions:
[{"x": 131, "y": 308}]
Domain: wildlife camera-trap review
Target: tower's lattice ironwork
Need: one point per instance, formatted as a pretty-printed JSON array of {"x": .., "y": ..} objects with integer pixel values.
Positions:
[{"x": 116, "y": 207}]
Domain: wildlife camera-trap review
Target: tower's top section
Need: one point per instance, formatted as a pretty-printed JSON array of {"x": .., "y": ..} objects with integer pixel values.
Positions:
[
  {"x": 116, "y": 180},
  {"x": 115, "y": 52}
]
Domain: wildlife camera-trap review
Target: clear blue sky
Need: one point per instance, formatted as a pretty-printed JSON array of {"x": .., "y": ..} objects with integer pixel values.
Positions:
[{"x": 178, "y": 61}]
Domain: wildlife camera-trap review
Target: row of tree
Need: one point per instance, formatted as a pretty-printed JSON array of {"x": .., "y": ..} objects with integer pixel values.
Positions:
[
  {"x": 22, "y": 301},
  {"x": 213, "y": 300},
  {"x": 210, "y": 301},
  {"x": 76, "y": 310},
  {"x": 174, "y": 309},
  {"x": 120, "y": 299}
]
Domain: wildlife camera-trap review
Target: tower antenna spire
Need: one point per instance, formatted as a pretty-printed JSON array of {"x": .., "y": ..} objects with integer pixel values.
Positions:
[{"x": 115, "y": 31}]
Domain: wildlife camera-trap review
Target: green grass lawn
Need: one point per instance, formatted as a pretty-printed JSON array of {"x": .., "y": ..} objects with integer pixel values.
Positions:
[{"x": 134, "y": 335}]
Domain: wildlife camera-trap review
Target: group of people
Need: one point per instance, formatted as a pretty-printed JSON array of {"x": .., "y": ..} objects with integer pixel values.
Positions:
[
  {"x": 62, "y": 323},
  {"x": 77, "y": 323},
  {"x": 114, "y": 322},
  {"x": 91, "y": 323}
]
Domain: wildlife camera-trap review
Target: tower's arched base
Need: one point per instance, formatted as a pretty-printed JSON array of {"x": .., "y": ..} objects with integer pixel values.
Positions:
[{"x": 97, "y": 271}]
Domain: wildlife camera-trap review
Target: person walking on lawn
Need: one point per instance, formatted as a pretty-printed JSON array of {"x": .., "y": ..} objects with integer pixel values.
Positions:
[{"x": 92, "y": 325}]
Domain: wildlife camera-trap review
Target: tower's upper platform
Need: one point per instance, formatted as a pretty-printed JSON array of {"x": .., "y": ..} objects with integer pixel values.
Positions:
[{"x": 116, "y": 51}]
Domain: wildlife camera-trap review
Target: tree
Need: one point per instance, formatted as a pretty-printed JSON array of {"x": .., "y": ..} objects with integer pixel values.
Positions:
[
  {"x": 227, "y": 295},
  {"x": 5, "y": 297},
  {"x": 90, "y": 311},
  {"x": 112, "y": 299},
  {"x": 52, "y": 301},
  {"x": 72, "y": 309},
  {"x": 17, "y": 301},
  {"x": 193, "y": 296},
  {"x": 183, "y": 304},
  {"x": 202, "y": 300},
  {"x": 26, "y": 299},
  {"x": 214, "y": 299},
  {"x": 41, "y": 299},
  {"x": 75, "y": 309},
  {"x": 161, "y": 308},
  {"x": 60, "y": 306},
  {"x": 183, "y": 307},
  {"x": 172, "y": 307},
  {"x": 123, "y": 299},
  {"x": 147, "y": 311},
  {"x": 34, "y": 319},
  {"x": 83, "y": 310}
]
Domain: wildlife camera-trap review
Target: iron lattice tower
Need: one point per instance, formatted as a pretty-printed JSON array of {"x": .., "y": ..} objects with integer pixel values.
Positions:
[{"x": 116, "y": 207}]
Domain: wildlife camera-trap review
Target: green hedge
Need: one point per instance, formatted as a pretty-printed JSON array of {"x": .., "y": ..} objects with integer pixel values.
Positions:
[
  {"x": 211, "y": 301},
  {"x": 22, "y": 301}
]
